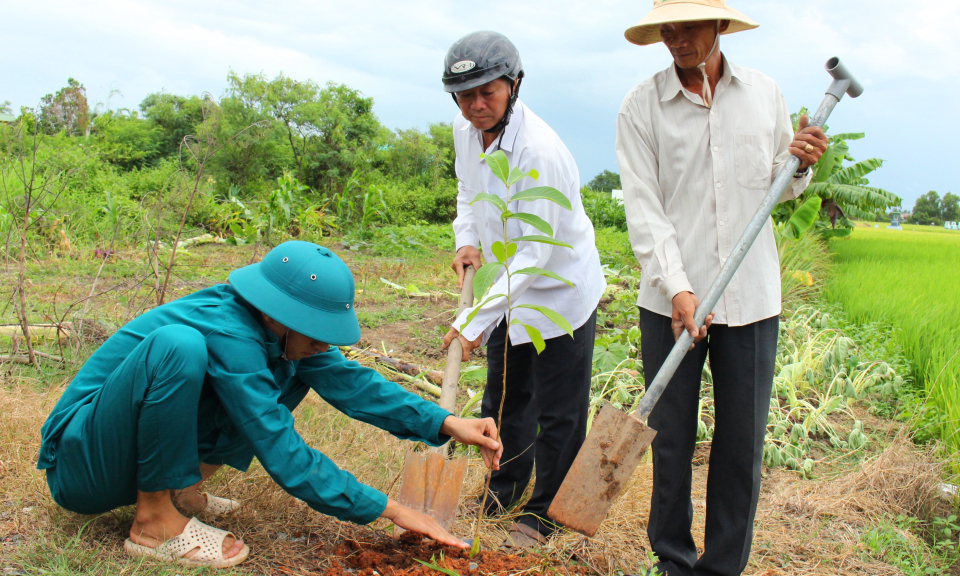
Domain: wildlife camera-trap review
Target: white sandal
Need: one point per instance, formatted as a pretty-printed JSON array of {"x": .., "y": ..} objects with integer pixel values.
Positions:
[
  {"x": 220, "y": 506},
  {"x": 207, "y": 540}
]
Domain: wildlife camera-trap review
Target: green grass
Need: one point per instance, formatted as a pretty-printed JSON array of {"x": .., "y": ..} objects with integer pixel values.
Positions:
[{"x": 911, "y": 279}]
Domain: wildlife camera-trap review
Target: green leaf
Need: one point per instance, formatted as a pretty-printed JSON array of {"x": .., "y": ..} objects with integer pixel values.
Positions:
[
  {"x": 543, "y": 193},
  {"x": 607, "y": 358},
  {"x": 554, "y": 317},
  {"x": 534, "y": 334},
  {"x": 478, "y": 308},
  {"x": 835, "y": 232},
  {"x": 853, "y": 173},
  {"x": 803, "y": 218},
  {"x": 533, "y": 220},
  {"x": 492, "y": 198},
  {"x": 499, "y": 251},
  {"x": 511, "y": 249},
  {"x": 824, "y": 166},
  {"x": 846, "y": 136},
  {"x": 485, "y": 277},
  {"x": 533, "y": 270},
  {"x": 475, "y": 548},
  {"x": 516, "y": 174},
  {"x": 542, "y": 240},
  {"x": 499, "y": 165}
]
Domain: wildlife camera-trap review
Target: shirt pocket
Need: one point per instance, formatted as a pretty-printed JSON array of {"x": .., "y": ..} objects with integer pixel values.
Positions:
[{"x": 754, "y": 157}]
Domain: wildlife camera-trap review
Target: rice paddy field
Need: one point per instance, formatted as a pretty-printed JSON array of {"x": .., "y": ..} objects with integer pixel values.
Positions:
[{"x": 911, "y": 279}]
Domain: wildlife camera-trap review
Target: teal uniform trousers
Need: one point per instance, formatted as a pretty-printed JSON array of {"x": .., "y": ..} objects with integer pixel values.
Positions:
[{"x": 198, "y": 380}]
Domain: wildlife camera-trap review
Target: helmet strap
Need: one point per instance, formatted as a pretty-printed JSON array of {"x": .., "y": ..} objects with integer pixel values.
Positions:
[
  {"x": 705, "y": 91},
  {"x": 502, "y": 124}
]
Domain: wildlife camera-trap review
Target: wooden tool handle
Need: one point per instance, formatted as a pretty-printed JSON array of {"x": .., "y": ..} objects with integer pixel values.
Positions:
[{"x": 451, "y": 374}]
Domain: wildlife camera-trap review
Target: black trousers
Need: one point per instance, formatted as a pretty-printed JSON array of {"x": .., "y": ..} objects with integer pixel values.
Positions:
[
  {"x": 742, "y": 360},
  {"x": 544, "y": 416}
]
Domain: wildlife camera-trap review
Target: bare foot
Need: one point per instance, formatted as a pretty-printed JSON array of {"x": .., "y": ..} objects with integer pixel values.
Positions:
[
  {"x": 153, "y": 531},
  {"x": 190, "y": 499}
]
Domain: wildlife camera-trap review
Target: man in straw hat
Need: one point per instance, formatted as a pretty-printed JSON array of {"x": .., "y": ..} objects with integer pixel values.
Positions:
[
  {"x": 212, "y": 379},
  {"x": 698, "y": 145}
]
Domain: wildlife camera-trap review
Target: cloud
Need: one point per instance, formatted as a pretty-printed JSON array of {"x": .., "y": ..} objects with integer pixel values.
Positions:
[{"x": 578, "y": 64}]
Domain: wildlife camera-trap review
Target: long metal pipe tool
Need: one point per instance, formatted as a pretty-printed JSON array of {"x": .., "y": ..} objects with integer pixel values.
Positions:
[{"x": 617, "y": 441}]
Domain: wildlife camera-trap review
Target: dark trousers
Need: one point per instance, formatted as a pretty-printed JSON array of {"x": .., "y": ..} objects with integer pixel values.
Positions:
[
  {"x": 742, "y": 360},
  {"x": 544, "y": 416}
]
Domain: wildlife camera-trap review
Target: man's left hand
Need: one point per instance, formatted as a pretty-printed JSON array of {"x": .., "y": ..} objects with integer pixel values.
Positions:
[
  {"x": 480, "y": 432},
  {"x": 466, "y": 345},
  {"x": 809, "y": 143}
]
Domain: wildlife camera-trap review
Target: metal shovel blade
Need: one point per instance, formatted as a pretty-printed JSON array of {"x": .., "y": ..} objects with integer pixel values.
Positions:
[
  {"x": 431, "y": 484},
  {"x": 610, "y": 454}
]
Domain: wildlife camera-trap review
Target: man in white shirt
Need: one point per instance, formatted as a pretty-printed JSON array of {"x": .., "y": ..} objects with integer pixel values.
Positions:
[
  {"x": 549, "y": 391},
  {"x": 698, "y": 146}
]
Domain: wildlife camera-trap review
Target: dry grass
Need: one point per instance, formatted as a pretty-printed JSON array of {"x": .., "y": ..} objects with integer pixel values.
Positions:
[{"x": 803, "y": 527}]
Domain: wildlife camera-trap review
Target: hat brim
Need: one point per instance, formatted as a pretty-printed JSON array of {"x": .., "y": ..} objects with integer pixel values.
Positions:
[
  {"x": 647, "y": 31},
  {"x": 336, "y": 328}
]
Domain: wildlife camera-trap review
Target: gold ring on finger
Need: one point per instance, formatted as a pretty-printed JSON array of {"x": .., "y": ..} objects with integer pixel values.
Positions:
[{"x": 808, "y": 148}]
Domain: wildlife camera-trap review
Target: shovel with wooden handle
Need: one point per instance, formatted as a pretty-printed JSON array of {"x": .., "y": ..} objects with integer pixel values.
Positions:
[
  {"x": 431, "y": 483},
  {"x": 617, "y": 441}
]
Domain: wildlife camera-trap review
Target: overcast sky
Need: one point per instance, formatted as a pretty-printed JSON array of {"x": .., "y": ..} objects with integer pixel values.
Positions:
[{"x": 578, "y": 65}]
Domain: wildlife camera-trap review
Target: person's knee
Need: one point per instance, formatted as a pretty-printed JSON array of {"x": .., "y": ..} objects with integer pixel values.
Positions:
[{"x": 184, "y": 348}]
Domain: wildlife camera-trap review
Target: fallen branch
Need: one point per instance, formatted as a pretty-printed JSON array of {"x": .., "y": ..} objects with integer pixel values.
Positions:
[
  {"x": 202, "y": 239},
  {"x": 36, "y": 331},
  {"x": 434, "y": 376},
  {"x": 26, "y": 359}
]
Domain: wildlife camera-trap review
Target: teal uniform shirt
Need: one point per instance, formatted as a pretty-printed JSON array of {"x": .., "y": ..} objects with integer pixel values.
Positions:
[{"x": 248, "y": 395}]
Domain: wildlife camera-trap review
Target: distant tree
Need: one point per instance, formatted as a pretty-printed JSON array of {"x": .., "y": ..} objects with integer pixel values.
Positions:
[
  {"x": 175, "y": 116},
  {"x": 126, "y": 140},
  {"x": 330, "y": 131},
  {"x": 5, "y": 107},
  {"x": 950, "y": 207},
  {"x": 927, "y": 209},
  {"x": 605, "y": 182},
  {"x": 442, "y": 135},
  {"x": 67, "y": 110}
]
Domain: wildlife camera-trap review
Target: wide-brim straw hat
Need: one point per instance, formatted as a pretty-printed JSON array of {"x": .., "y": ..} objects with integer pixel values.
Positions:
[{"x": 647, "y": 31}]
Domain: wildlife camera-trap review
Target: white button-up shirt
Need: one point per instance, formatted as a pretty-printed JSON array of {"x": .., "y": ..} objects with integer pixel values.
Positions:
[
  {"x": 693, "y": 177},
  {"x": 530, "y": 144}
]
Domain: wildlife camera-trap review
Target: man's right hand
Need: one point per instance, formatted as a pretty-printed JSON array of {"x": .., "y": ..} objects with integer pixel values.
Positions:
[
  {"x": 684, "y": 307},
  {"x": 466, "y": 256},
  {"x": 410, "y": 519}
]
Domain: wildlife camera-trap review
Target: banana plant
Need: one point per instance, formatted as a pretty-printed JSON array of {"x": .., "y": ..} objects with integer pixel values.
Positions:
[
  {"x": 504, "y": 250},
  {"x": 844, "y": 191}
]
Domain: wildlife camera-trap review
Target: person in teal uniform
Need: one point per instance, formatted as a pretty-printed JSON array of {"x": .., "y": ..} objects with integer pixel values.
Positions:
[{"x": 211, "y": 379}]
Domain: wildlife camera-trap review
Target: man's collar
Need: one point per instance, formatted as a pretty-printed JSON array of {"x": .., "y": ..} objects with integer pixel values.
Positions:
[
  {"x": 509, "y": 133},
  {"x": 673, "y": 85}
]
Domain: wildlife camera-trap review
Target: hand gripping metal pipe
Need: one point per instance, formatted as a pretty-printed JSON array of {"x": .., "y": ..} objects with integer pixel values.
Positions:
[
  {"x": 617, "y": 441},
  {"x": 843, "y": 83}
]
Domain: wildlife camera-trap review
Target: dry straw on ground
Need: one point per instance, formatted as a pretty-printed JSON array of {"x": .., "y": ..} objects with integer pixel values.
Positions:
[{"x": 802, "y": 527}]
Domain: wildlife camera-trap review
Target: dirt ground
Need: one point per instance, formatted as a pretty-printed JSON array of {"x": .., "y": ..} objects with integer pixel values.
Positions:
[{"x": 803, "y": 527}]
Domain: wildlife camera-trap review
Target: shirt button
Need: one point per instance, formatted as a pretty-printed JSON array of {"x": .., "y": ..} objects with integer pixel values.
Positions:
[
  {"x": 723, "y": 260},
  {"x": 718, "y": 184},
  {"x": 715, "y": 148},
  {"x": 720, "y": 222}
]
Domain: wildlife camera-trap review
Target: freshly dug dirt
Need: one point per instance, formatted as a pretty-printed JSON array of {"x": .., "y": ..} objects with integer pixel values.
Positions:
[{"x": 398, "y": 558}]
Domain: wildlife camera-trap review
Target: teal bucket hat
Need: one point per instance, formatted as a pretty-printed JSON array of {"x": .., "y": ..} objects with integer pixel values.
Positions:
[{"x": 305, "y": 287}]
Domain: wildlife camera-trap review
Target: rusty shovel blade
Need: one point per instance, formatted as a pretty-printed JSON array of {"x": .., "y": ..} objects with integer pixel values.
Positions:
[
  {"x": 431, "y": 484},
  {"x": 609, "y": 456}
]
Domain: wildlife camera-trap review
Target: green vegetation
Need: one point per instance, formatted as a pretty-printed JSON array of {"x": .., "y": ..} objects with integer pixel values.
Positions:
[
  {"x": 909, "y": 279},
  {"x": 931, "y": 209}
]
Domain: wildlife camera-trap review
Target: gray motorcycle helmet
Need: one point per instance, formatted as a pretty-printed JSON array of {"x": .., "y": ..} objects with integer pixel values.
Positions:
[{"x": 479, "y": 58}]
